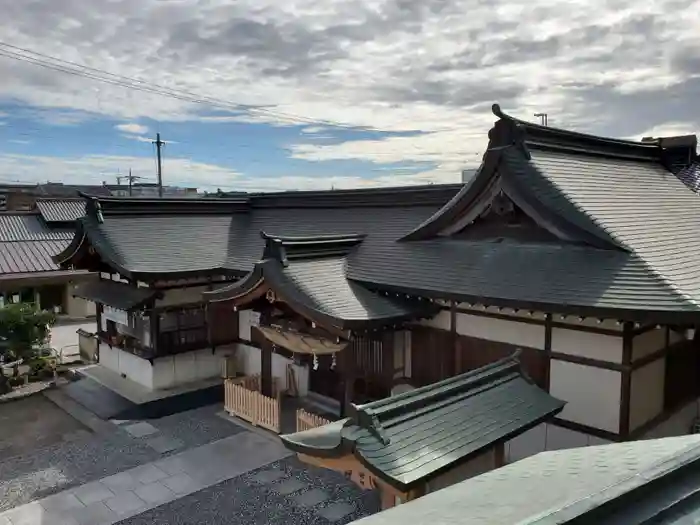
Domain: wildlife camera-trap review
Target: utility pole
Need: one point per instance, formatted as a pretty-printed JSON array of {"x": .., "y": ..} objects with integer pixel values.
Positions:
[
  {"x": 542, "y": 117},
  {"x": 131, "y": 178},
  {"x": 159, "y": 144}
]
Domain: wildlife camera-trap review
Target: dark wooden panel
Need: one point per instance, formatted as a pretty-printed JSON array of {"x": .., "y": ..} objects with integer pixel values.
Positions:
[
  {"x": 476, "y": 353},
  {"x": 223, "y": 323},
  {"x": 432, "y": 355},
  {"x": 682, "y": 383}
]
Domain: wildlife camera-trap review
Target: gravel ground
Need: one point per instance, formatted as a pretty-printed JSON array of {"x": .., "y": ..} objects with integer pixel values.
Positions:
[
  {"x": 244, "y": 501},
  {"x": 197, "y": 427},
  {"x": 64, "y": 465},
  {"x": 61, "y": 466}
]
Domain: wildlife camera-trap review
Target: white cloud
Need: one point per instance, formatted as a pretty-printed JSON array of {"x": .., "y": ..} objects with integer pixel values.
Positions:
[
  {"x": 132, "y": 127},
  {"x": 389, "y": 64},
  {"x": 95, "y": 169}
]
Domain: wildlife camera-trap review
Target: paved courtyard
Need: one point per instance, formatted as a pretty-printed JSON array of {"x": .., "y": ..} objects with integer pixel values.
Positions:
[{"x": 189, "y": 467}]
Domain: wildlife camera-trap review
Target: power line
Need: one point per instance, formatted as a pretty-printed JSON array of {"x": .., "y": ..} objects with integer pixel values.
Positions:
[{"x": 100, "y": 75}]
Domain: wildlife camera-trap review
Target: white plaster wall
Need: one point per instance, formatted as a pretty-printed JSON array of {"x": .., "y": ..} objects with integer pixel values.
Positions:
[
  {"x": 189, "y": 367},
  {"x": 179, "y": 296},
  {"x": 123, "y": 363},
  {"x": 587, "y": 344},
  {"x": 522, "y": 314},
  {"x": 441, "y": 320},
  {"x": 478, "y": 465},
  {"x": 246, "y": 320},
  {"x": 513, "y": 332},
  {"x": 249, "y": 363},
  {"x": 648, "y": 343},
  {"x": 647, "y": 392},
  {"x": 592, "y": 394},
  {"x": 547, "y": 436}
]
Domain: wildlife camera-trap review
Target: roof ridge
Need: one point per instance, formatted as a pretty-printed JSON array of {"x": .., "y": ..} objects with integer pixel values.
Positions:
[
  {"x": 372, "y": 416},
  {"x": 282, "y": 249},
  {"x": 564, "y": 133}
]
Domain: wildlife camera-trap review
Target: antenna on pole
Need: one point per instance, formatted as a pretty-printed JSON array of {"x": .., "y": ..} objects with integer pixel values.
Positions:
[
  {"x": 543, "y": 118},
  {"x": 159, "y": 144}
]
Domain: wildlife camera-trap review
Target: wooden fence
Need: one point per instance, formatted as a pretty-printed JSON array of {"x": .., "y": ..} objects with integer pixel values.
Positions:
[
  {"x": 242, "y": 398},
  {"x": 307, "y": 420}
]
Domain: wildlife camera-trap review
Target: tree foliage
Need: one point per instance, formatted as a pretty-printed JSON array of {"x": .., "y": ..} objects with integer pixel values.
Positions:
[{"x": 23, "y": 328}]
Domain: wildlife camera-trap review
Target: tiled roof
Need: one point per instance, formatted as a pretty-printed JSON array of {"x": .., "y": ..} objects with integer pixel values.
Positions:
[
  {"x": 309, "y": 275},
  {"x": 28, "y": 227},
  {"x": 61, "y": 210},
  {"x": 627, "y": 229},
  {"x": 199, "y": 240},
  {"x": 27, "y": 245},
  {"x": 29, "y": 256},
  {"x": 114, "y": 294},
  {"x": 407, "y": 438},
  {"x": 522, "y": 275},
  {"x": 690, "y": 176},
  {"x": 582, "y": 485}
]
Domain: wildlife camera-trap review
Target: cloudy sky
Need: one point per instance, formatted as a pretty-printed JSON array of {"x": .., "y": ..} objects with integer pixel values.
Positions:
[{"x": 275, "y": 94}]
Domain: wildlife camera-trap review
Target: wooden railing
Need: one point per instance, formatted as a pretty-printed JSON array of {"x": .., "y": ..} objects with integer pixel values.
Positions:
[
  {"x": 307, "y": 420},
  {"x": 242, "y": 398}
]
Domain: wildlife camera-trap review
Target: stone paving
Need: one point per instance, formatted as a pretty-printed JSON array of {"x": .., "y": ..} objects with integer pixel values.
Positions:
[
  {"x": 93, "y": 455},
  {"x": 134, "y": 491}
]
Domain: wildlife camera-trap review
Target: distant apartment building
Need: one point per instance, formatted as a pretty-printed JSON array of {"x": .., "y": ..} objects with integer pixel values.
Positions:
[
  {"x": 23, "y": 197},
  {"x": 149, "y": 189}
]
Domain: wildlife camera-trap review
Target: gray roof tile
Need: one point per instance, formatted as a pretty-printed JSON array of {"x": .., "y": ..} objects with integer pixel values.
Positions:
[
  {"x": 61, "y": 210},
  {"x": 642, "y": 206},
  {"x": 29, "y": 256},
  {"x": 28, "y": 227},
  {"x": 310, "y": 274},
  {"x": 526, "y": 275}
]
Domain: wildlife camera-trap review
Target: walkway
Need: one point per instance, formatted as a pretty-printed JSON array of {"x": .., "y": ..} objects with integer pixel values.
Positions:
[{"x": 140, "y": 489}]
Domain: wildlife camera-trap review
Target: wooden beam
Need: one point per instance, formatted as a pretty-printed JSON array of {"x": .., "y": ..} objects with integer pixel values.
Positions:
[{"x": 626, "y": 379}]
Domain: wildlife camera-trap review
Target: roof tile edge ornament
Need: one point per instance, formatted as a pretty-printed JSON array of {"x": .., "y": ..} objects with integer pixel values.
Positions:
[{"x": 93, "y": 208}]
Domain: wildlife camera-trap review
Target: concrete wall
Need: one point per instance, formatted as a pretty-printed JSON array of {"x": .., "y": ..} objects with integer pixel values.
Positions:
[{"x": 166, "y": 372}]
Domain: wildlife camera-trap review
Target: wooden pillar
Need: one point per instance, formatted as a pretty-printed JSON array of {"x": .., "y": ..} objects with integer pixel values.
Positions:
[
  {"x": 626, "y": 379},
  {"x": 454, "y": 337},
  {"x": 348, "y": 371},
  {"x": 266, "y": 369}
]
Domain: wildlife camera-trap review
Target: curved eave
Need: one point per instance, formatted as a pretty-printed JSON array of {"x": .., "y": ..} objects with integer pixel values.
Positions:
[
  {"x": 63, "y": 258},
  {"x": 456, "y": 206},
  {"x": 236, "y": 290},
  {"x": 690, "y": 315},
  {"x": 326, "y": 441},
  {"x": 269, "y": 274}
]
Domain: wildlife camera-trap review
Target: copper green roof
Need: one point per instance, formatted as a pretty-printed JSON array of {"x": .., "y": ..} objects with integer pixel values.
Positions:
[{"x": 411, "y": 437}]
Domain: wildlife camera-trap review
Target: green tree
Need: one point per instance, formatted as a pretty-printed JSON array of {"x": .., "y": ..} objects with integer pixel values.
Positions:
[{"x": 23, "y": 330}]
